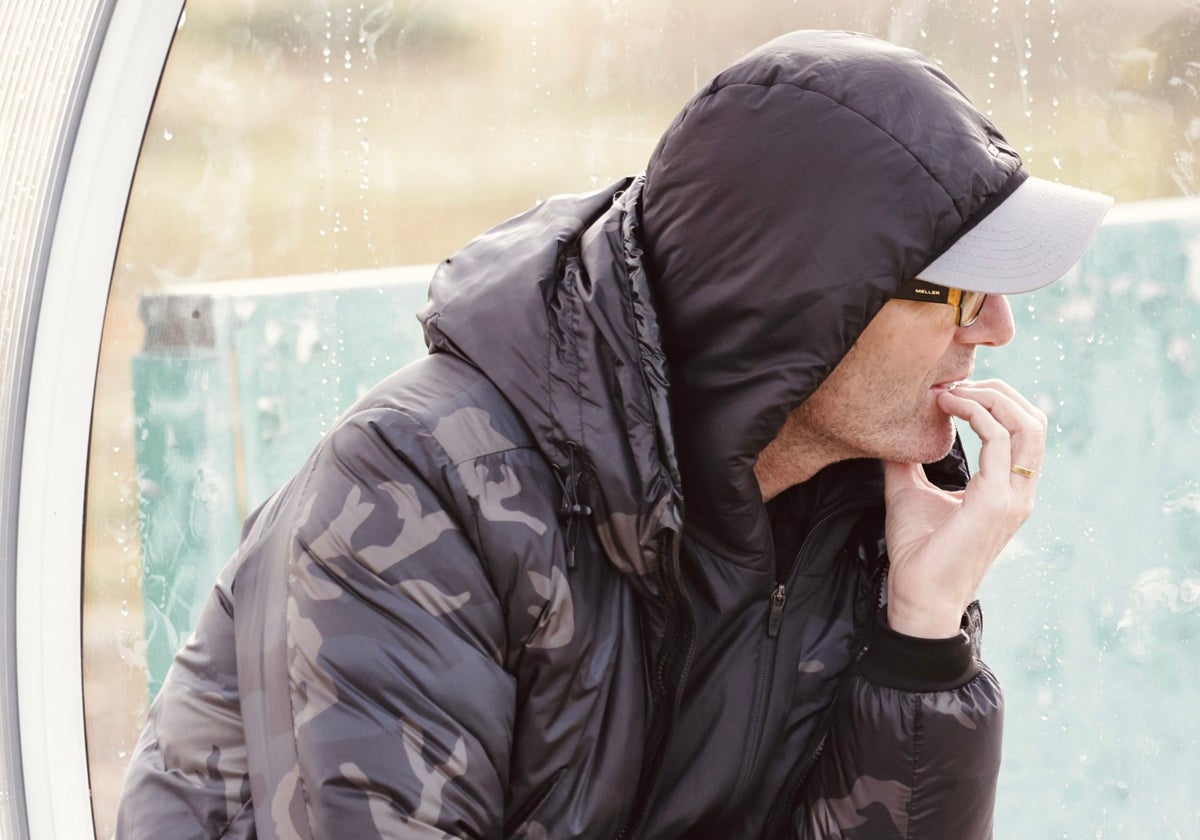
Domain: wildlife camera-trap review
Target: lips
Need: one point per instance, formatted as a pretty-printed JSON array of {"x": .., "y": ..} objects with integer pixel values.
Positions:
[{"x": 948, "y": 385}]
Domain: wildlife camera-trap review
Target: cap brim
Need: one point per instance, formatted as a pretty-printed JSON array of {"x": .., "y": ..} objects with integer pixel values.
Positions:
[{"x": 1031, "y": 239}]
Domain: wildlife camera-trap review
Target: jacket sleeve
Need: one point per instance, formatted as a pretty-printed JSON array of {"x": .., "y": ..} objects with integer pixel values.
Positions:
[
  {"x": 913, "y": 745},
  {"x": 370, "y": 684},
  {"x": 188, "y": 776}
]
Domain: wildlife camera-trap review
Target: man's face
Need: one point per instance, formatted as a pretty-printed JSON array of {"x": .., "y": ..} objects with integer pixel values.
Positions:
[{"x": 881, "y": 400}]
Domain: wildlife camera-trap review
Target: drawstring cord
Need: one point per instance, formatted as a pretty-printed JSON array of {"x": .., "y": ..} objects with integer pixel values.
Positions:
[{"x": 571, "y": 509}]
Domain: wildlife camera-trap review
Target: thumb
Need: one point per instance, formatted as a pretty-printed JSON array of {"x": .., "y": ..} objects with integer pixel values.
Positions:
[{"x": 898, "y": 477}]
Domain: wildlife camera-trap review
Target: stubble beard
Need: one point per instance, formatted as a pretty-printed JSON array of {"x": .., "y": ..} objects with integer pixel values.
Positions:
[{"x": 922, "y": 436}]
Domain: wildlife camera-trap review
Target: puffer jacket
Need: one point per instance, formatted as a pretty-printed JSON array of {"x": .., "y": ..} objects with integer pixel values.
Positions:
[{"x": 527, "y": 587}]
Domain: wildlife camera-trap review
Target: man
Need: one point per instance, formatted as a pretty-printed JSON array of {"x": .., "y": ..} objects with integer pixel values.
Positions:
[{"x": 644, "y": 547}]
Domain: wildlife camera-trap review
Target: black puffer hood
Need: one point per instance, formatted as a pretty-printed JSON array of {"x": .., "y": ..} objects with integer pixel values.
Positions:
[
  {"x": 554, "y": 307},
  {"x": 780, "y": 211},
  {"x": 782, "y": 208}
]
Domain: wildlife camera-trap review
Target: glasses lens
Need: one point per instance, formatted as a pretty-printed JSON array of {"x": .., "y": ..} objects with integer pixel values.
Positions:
[{"x": 970, "y": 306}]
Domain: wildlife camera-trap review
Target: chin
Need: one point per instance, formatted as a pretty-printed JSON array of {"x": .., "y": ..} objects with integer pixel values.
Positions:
[{"x": 933, "y": 443}]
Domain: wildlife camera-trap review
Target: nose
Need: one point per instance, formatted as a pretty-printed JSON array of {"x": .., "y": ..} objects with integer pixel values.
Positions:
[{"x": 994, "y": 327}]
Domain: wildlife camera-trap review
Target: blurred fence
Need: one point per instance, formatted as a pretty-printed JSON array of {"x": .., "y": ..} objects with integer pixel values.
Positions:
[{"x": 236, "y": 384}]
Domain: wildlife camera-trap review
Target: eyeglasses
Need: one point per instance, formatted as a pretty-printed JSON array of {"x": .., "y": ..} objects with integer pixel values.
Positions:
[{"x": 967, "y": 305}]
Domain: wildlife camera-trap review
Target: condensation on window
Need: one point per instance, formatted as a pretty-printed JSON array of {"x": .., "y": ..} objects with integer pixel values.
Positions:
[{"x": 307, "y": 161}]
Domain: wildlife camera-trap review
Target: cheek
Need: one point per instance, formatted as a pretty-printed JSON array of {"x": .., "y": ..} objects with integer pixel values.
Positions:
[
  {"x": 938, "y": 364},
  {"x": 909, "y": 360},
  {"x": 908, "y": 375}
]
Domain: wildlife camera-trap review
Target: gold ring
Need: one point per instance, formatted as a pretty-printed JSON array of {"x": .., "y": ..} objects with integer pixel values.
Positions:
[{"x": 1022, "y": 471}]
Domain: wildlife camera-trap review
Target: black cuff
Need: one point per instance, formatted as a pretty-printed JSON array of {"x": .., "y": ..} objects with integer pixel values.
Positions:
[{"x": 908, "y": 663}]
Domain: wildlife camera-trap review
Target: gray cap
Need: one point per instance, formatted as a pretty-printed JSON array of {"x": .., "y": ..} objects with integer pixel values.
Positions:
[{"x": 1029, "y": 240}]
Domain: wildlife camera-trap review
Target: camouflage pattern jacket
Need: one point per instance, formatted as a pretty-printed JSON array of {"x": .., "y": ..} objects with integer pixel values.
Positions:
[{"x": 483, "y": 608}]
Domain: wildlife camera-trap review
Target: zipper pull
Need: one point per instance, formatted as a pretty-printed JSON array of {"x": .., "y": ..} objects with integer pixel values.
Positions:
[
  {"x": 775, "y": 617},
  {"x": 571, "y": 508}
]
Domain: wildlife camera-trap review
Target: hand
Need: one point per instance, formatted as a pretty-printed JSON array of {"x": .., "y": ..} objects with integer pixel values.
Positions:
[{"x": 941, "y": 544}]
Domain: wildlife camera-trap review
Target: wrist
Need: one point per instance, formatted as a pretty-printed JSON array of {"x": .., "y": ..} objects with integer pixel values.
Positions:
[{"x": 923, "y": 622}]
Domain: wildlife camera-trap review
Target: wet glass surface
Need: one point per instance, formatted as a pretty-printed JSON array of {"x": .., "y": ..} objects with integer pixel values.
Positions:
[{"x": 305, "y": 159}]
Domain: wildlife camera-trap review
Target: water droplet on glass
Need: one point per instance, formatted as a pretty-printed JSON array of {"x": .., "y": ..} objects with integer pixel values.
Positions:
[
  {"x": 328, "y": 78},
  {"x": 167, "y": 135}
]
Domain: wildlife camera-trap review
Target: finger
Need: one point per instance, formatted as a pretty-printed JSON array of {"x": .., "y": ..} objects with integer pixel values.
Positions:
[
  {"x": 1012, "y": 393},
  {"x": 1027, "y": 430},
  {"x": 995, "y": 455},
  {"x": 898, "y": 477}
]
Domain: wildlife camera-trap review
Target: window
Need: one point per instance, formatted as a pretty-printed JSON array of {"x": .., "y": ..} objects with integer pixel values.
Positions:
[{"x": 305, "y": 159}]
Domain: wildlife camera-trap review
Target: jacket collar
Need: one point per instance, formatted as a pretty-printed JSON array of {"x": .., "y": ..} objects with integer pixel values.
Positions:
[{"x": 554, "y": 307}]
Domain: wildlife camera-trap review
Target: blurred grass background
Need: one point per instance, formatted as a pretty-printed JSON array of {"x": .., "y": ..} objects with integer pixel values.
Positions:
[{"x": 302, "y": 136}]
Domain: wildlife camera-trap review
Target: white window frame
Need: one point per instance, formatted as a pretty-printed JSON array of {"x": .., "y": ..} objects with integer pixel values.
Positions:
[{"x": 50, "y": 524}]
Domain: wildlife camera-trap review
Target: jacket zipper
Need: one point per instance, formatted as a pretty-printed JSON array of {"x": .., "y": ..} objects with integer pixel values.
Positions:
[
  {"x": 766, "y": 671},
  {"x": 776, "y": 820},
  {"x": 669, "y": 678},
  {"x": 571, "y": 509}
]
